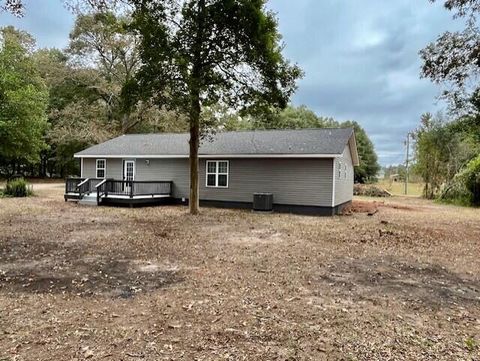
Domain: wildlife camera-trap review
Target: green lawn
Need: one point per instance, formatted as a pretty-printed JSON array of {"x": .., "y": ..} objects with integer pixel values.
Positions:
[{"x": 398, "y": 188}]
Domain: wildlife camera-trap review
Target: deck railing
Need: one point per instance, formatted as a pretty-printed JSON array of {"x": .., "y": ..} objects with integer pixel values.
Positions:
[
  {"x": 119, "y": 188},
  {"x": 81, "y": 186},
  {"x": 71, "y": 185},
  {"x": 88, "y": 186},
  {"x": 131, "y": 189}
]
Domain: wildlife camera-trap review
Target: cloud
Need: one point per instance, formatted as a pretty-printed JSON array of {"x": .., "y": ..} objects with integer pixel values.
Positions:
[{"x": 361, "y": 62}]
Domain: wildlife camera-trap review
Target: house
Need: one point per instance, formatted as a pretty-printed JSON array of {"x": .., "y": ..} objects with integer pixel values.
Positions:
[
  {"x": 307, "y": 171},
  {"x": 395, "y": 178}
]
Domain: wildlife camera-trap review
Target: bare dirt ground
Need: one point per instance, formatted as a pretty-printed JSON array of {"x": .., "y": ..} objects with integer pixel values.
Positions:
[{"x": 157, "y": 284}]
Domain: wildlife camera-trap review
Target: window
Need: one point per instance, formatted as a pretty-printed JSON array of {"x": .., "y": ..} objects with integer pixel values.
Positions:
[
  {"x": 101, "y": 168},
  {"x": 217, "y": 173},
  {"x": 345, "y": 171},
  {"x": 339, "y": 170}
]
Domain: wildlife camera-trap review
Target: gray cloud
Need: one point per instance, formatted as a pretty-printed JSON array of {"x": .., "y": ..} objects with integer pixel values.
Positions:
[
  {"x": 361, "y": 62},
  {"x": 360, "y": 58}
]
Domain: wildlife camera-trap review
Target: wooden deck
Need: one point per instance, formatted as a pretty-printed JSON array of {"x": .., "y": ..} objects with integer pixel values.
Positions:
[{"x": 111, "y": 191}]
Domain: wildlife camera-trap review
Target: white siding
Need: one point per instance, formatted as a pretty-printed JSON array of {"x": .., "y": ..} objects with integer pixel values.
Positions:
[{"x": 344, "y": 185}]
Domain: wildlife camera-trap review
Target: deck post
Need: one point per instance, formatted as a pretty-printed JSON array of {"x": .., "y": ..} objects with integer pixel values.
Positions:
[{"x": 131, "y": 189}]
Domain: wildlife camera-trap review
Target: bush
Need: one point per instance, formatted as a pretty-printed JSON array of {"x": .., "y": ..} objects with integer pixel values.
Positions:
[
  {"x": 465, "y": 186},
  {"x": 18, "y": 188}
]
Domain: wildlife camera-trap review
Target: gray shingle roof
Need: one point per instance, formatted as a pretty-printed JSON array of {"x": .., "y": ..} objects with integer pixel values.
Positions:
[{"x": 326, "y": 141}]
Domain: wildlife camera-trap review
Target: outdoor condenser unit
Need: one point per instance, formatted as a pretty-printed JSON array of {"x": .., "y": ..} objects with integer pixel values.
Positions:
[{"x": 263, "y": 202}]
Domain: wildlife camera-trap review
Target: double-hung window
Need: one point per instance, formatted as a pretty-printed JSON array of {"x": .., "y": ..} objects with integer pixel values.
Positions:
[
  {"x": 217, "y": 173},
  {"x": 101, "y": 168}
]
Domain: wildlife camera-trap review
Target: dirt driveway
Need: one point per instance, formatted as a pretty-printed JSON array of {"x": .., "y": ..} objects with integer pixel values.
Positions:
[{"x": 158, "y": 284}]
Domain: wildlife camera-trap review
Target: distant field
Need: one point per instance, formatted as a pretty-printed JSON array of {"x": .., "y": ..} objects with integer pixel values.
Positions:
[{"x": 397, "y": 188}]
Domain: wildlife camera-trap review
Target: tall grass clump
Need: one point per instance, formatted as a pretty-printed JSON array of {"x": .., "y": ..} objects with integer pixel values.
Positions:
[{"x": 17, "y": 188}]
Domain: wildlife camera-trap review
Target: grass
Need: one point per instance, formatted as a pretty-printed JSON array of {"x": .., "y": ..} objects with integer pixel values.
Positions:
[
  {"x": 470, "y": 344},
  {"x": 398, "y": 188}
]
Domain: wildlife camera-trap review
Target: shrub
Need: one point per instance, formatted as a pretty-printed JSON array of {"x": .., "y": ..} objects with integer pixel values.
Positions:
[
  {"x": 18, "y": 188},
  {"x": 370, "y": 190},
  {"x": 465, "y": 186}
]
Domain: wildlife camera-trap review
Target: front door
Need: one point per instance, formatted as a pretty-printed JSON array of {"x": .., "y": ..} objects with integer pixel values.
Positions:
[{"x": 128, "y": 174}]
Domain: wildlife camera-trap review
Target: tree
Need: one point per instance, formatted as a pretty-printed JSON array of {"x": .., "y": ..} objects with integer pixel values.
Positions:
[
  {"x": 292, "y": 118},
  {"x": 438, "y": 155},
  {"x": 369, "y": 167},
  {"x": 197, "y": 53},
  {"x": 454, "y": 58},
  {"x": 102, "y": 39},
  {"x": 23, "y": 99},
  {"x": 12, "y": 6}
]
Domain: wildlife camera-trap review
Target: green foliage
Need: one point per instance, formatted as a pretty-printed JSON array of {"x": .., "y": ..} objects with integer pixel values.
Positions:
[
  {"x": 369, "y": 167},
  {"x": 446, "y": 157},
  {"x": 439, "y": 153},
  {"x": 452, "y": 59},
  {"x": 225, "y": 52},
  {"x": 444, "y": 149},
  {"x": 23, "y": 99},
  {"x": 103, "y": 39},
  {"x": 471, "y": 344},
  {"x": 293, "y": 118},
  {"x": 18, "y": 188},
  {"x": 467, "y": 181}
]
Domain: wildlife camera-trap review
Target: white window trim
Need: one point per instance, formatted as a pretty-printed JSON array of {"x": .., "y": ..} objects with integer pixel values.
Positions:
[
  {"x": 104, "y": 168},
  {"x": 216, "y": 173},
  {"x": 125, "y": 168}
]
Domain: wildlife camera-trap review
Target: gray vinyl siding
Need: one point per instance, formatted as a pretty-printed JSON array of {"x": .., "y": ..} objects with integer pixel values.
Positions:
[
  {"x": 114, "y": 168},
  {"x": 175, "y": 170},
  {"x": 344, "y": 180},
  {"x": 292, "y": 181}
]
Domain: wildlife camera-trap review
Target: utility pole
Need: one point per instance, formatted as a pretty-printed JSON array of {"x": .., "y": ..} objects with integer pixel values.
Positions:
[{"x": 407, "y": 143}]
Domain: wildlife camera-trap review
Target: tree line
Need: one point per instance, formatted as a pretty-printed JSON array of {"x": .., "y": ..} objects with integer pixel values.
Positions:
[
  {"x": 56, "y": 102},
  {"x": 447, "y": 157},
  {"x": 447, "y": 150}
]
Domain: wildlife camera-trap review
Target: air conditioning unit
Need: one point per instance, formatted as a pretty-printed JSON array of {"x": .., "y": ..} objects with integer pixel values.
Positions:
[{"x": 263, "y": 202}]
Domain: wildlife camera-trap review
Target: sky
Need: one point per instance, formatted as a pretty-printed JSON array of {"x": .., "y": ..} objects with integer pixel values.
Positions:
[{"x": 360, "y": 58}]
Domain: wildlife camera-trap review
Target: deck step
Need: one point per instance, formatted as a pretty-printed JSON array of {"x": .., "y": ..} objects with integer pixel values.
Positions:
[{"x": 89, "y": 200}]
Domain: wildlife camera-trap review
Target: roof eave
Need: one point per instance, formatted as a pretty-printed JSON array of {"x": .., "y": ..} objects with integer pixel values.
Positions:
[
  {"x": 352, "y": 142},
  {"x": 170, "y": 156}
]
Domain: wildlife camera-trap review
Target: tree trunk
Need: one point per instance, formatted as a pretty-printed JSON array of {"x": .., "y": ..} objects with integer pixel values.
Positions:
[
  {"x": 125, "y": 123},
  {"x": 194, "y": 144},
  {"x": 195, "y": 109}
]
